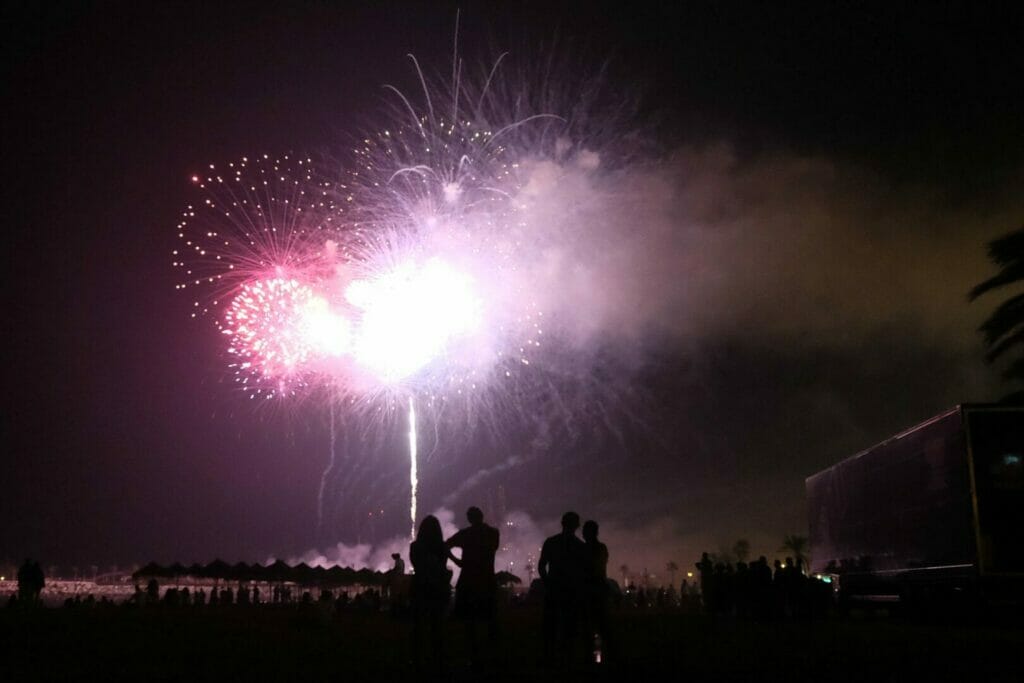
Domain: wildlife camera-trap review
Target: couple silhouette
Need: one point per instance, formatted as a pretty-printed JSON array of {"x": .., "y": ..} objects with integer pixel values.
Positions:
[
  {"x": 475, "y": 591},
  {"x": 575, "y": 576},
  {"x": 574, "y": 573}
]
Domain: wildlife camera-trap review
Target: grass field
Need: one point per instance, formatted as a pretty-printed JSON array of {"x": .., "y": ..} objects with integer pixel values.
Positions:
[{"x": 289, "y": 643}]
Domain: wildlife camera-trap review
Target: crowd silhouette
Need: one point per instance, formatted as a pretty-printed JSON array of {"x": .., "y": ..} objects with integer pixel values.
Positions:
[
  {"x": 574, "y": 590},
  {"x": 759, "y": 591}
]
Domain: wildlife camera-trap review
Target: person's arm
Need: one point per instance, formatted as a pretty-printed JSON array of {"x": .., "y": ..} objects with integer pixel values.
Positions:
[
  {"x": 542, "y": 563},
  {"x": 414, "y": 556},
  {"x": 455, "y": 541}
]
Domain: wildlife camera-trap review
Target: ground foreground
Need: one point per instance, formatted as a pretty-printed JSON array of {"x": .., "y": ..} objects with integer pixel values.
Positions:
[{"x": 270, "y": 643}]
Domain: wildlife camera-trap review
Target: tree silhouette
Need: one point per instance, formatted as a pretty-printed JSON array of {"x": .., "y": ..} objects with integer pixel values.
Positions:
[
  {"x": 1003, "y": 331},
  {"x": 796, "y": 547},
  {"x": 741, "y": 550},
  {"x": 672, "y": 568}
]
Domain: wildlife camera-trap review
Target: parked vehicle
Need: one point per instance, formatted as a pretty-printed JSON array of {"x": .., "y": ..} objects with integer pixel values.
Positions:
[{"x": 931, "y": 515}]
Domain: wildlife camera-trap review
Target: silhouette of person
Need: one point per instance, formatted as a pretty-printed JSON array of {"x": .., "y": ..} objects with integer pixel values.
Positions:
[
  {"x": 38, "y": 582},
  {"x": 595, "y": 576},
  {"x": 705, "y": 568},
  {"x": 561, "y": 568},
  {"x": 476, "y": 590},
  {"x": 763, "y": 587},
  {"x": 399, "y": 568},
  {"x": 25, "y": 583},
  {"x": 431, "y": 587},
  {"x": 396, "y": 584}
]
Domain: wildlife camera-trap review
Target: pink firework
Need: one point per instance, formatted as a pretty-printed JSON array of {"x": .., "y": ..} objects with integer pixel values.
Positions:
[
  {"x": 261, "y": 217},
  {"x": 280, "y": 329}
]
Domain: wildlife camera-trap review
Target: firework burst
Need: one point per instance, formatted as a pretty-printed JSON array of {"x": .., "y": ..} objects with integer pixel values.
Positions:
[{"x": 407, "y": 282}]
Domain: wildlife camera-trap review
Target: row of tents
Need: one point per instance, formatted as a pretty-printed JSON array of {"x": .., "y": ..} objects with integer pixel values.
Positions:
[{"x": 278, "y": 572}]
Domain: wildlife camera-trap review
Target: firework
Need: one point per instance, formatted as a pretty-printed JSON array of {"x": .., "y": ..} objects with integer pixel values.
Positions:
[
  {"x": 406, "y": 280},
  {"x": 278, "y": 327}
]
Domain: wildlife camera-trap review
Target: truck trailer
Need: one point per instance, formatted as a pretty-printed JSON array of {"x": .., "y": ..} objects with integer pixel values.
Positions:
[{"x": 931, "y": 515}]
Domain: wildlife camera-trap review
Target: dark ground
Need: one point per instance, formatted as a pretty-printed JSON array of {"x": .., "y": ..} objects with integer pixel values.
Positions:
[{"x": 290, "y": 644}]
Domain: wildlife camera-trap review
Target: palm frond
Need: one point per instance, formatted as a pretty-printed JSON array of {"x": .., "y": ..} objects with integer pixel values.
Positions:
[
  {"x": 1007, "y": 252},
  {"x": 1009, "y": 275},
  {"x": 1007, "y": 249},
  {"x": 1005, "y": 344},
  {"x": 1004, "y": 320}
]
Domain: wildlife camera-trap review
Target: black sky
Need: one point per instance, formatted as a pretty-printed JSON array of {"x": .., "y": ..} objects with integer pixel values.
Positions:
[{"x": 120, "y": 441}]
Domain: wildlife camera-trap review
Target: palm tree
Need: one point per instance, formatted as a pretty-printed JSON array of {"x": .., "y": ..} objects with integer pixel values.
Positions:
[
  {"x": 796, "y": 547},
  {"x": 672, "y": 568},
  {"x": 625, "y": 574},
  {"x": 1004, "y": 329}
]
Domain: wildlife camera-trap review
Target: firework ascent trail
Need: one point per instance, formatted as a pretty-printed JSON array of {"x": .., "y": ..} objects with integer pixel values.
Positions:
[{"x": 414, "y": 480}]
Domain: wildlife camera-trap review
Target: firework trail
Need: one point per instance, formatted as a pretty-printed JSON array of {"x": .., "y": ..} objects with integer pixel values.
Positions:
[
  {"x": 414, "y": 480},
  {"x": 327, "y": 471}
]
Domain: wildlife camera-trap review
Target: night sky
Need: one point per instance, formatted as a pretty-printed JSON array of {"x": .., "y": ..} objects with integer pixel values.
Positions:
[{"x": 831, "y": 176}]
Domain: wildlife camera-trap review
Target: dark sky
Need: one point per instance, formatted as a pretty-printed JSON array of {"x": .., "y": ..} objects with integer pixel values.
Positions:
[{"x": 883, "y": 147}]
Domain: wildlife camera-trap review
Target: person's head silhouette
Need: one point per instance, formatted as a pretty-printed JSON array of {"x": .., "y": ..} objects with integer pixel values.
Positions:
[
  {"x": 475, "y": 516},
  {"x": 590, "y": 529},
  {"x": 430, "y": 532},
  {"x": 570, "y": 522}
]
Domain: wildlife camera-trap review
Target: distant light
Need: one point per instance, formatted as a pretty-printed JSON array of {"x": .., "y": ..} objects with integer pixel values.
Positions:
[
  {"x": 689, "y": 575},
  {"x": 1011, "y": 459},
  {"x": 826, "y": 579}
]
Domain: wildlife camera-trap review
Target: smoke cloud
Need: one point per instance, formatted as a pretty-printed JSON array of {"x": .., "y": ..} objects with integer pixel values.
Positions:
[{"x": 702, "y": 244}]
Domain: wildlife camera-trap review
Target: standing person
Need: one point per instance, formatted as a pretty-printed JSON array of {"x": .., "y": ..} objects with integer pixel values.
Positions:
[
  {"x": 595, "y": 576},
  {"x": 706, "y": 569},
  {"x": 476, "y": 590},
  {"x": 561, "y": 568},
  {"x": 399, "y": 568},
  {"x": 26, "y": 582},
  {"x": 397, "y": 586},
  {"x": 38, "y": 581},
  {"x": 431, "y": 587}
]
